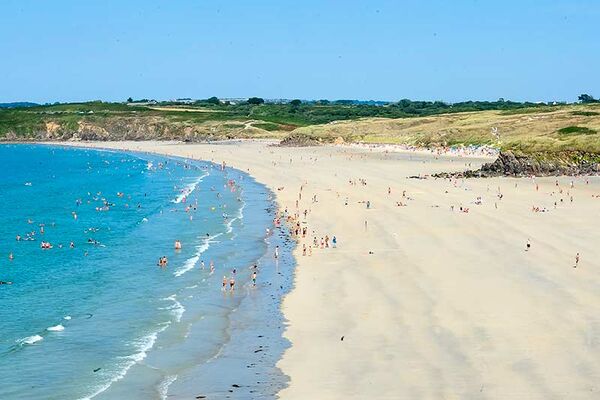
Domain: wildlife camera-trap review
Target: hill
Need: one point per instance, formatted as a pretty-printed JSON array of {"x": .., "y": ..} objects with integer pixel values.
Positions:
[{"x": 520, "y": 127}]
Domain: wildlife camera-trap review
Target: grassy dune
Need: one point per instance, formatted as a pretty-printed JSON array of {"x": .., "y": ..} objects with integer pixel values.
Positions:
[
  {"x": 556, "y": 129},
  {"x": 523, "y": 127}
]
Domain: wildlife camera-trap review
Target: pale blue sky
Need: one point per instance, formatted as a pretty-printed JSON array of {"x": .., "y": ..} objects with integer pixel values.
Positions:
[{"x": 448, "y": 50}]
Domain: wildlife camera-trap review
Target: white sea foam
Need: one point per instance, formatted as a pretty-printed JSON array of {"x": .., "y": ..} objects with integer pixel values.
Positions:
[
  {"x": 67, "y": 317},
  {"x": 188, "y": 189},
  {"x": 56, "y": 328},
  {"x": 187, "y": 265},
  {"x": 142, "y": 346},
  {"x": 163, "y": 387},
  {"x": 30, "y": 339},
  {"x": 177, "y": 309},
  {"x": 191, "y": 262}
]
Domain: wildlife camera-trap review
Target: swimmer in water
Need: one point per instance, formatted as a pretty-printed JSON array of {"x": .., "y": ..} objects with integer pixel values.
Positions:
[
  {"x": 224, "y": 286},
  {"x": 177, "y": 245}
]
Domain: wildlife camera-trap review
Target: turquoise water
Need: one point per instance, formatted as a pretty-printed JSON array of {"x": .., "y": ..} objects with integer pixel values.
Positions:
[{"x": 101, "y": 319}]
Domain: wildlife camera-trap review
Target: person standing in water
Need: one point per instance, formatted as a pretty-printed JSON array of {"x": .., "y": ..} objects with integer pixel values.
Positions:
[{"x": 276, "y": 252}]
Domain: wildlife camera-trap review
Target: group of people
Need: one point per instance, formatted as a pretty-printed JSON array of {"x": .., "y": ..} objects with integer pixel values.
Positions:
[{"x": 163, "y": 262}]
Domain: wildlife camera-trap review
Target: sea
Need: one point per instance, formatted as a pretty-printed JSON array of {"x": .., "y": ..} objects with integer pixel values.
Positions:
[{"x": 87, "y": 312}]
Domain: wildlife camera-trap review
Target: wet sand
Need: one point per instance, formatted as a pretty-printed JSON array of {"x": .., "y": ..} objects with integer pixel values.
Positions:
[{"x": 430, "y": 302}]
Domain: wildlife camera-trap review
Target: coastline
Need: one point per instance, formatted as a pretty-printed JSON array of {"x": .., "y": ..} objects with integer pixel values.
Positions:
[
  {"x": 426, "y": 302},
  {"x": 210, "y": 363}
]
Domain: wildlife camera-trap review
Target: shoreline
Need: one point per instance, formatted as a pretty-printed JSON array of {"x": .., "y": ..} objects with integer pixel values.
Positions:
[
  {"x": 420, "y": 303},
  {"x": 204, "y": 376}
]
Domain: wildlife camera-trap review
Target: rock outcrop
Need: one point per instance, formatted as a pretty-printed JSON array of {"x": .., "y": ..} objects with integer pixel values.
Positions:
[
  {"x": 299, "y": 140},
  {"x": 511, "y": 164}
]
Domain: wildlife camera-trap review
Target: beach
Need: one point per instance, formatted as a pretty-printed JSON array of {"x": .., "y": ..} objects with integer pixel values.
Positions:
[{"x": 431, "y": 292}]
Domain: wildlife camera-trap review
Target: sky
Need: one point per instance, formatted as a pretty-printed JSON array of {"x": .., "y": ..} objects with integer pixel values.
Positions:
[{"x": 449, "y": 50}]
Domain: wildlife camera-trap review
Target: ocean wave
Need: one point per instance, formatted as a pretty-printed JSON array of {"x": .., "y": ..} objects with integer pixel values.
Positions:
[
  {"x": 191, "y": 262},
  {"x": 188, "y": 189},
  {"x": 177, "y": 309},
  {"x": 30, "y": 340},
  {"x": 142, "y": 345},
  {"x": 56, "y": 328},
  {"x": 163, "y": 387},
  {"x": 187, "y": 265}
]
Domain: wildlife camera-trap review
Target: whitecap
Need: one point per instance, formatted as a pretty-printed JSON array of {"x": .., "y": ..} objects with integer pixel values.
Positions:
[
  {"x": 67, "y": 317},
  {"x": 186, "y": 191},
  {"x": 30, "y": 339},
  {"x": 56, "y": 328},
  {"x": 191, "y": 262}
]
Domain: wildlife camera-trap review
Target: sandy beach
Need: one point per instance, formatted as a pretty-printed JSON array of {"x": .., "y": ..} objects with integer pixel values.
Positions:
[{"x": 420, "y": 299}]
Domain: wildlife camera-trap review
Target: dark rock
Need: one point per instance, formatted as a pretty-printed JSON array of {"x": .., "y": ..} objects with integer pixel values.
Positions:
[
  {"x": 299, "y": 140},
  {"x": 511, "y": 164}
]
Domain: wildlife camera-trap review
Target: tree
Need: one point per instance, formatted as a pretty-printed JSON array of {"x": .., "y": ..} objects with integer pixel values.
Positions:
[
  {"x": 213, "y": 100},
  {"x": 255, "y": 100},
  {"x": 129, "y": 100},
  {"x": 586, "y": 98},
  {"x": 295, "y": 103}
]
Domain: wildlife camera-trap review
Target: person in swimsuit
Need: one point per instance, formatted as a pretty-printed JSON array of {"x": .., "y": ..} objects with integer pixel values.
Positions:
[{"x": 254, "y": 278}]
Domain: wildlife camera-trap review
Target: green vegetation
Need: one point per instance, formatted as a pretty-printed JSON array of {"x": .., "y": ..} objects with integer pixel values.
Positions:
[
  {"x": 526, "y": 127},
  {"x": 576, "y": 130},
  {"x": 268, "y": 126},
  {"x": 586, "y": 113},
  {"x": 586, "y": 99}
]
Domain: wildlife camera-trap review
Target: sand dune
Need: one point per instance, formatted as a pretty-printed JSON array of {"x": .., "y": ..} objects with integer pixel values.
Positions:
[{"x": 449, "y": 305}]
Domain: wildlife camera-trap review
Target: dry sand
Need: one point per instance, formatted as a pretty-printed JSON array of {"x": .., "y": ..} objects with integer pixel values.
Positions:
[{"x": 449, "y": 305}]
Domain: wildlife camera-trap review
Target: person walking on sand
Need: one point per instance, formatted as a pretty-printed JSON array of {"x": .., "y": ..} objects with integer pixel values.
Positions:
[
  {"x": 304, "y": 249},
  {"x": 334, "y": 241},
  {"x": 528, "y": 245},
  {"x": 576, "y": 260}
]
